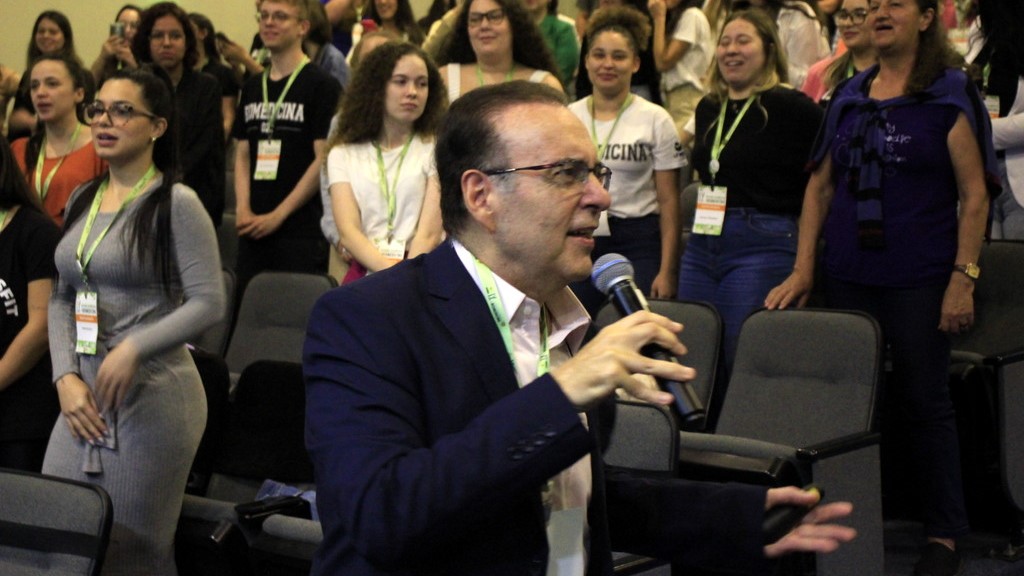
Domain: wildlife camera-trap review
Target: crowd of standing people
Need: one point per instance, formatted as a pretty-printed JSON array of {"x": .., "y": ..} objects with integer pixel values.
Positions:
[{"x": 855, "y": 122}]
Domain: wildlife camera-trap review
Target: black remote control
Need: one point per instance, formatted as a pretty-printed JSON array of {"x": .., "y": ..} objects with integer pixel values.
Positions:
[{"x": 781, "y": 519}]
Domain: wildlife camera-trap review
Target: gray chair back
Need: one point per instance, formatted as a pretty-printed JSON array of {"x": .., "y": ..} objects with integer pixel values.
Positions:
[
  {"x": 803, "y": 376},
  {"x": 702, "y": 336},
  {"x": 273, "y": 316},
  {"x": 998, "y": 301},
  {"x": 645, "y": 438},
  {"x": 51, "y": 525}
]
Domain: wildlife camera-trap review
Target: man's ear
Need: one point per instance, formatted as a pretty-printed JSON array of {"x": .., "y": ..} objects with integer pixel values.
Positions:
[{"x": 479, "y": 195}]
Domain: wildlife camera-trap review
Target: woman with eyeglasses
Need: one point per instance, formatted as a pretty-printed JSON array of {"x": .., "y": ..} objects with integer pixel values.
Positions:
[
  {"x": 639, "y": 143},
  {"x": 166, "y": 39},
  {"x": 495, "y": 41},
  {"x": 753, "y": 135},
  {"x": 138, "y": 276},
  {"x": 116, "y": 52},
  {"x": 28, "y": 402},
  {"x": 824, "y": 76},
  {"x": 60, "y": 157},
  {"x": 903, "y": 174},
  {"x": 51, "y": 36},
  {"x": 385, "y": 196}
]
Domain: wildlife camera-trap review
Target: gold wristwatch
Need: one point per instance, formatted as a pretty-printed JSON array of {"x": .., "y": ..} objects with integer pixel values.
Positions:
[{"x": 970, "y": 270}]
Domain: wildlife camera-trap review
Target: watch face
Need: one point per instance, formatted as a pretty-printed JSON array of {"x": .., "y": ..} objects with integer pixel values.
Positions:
[{"x": 973, "y": 271}]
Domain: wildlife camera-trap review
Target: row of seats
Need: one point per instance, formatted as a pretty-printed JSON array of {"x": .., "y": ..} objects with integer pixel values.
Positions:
[{"x": 794, "y": 411}]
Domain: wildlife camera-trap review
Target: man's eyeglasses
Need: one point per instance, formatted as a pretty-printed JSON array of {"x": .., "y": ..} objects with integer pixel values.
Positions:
[
  {"x": 848, "y": 17},
  {"x": 565, "y": 172},
  {"x": 275, "y": 17},
  {"x": 118, "y": 112},
  {"x": 494, "y": 17}
]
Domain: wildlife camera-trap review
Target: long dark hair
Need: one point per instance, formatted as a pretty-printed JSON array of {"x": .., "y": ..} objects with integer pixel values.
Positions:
[
  {"x": 210, "y": 42},
  {"x": 14, "y": 190},
  {"x": 144, "y": 239},
  {"x": 934, "y": 52},
  {"x": 64, "y": 24},
  {"x": 79, "y": 79},
  {"x": 140, "y": 44},
  {"x": 528, "y": 45},
  {"x": 673, "y": 15},
  {"x": 362, "y": 106},
  {"x": 404, "y": 19}
]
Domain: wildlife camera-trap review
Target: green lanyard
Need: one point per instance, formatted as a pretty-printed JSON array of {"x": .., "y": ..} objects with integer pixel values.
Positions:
[
  {"x": 280, "y": 99},
  {"x": 719, "y": 145},
  {"x": 3, "y": 217},
  {"x": 390, "y": 192},
  {"x": 480, "y": 74},
  {"x": 43, "y": 188},
  {"x": 501, "y": 320},
  {"x": 602, "y": 148},
  {"x": 85, "y": 257}
]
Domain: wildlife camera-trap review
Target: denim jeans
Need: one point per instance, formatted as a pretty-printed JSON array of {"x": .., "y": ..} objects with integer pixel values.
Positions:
[
  {"x": 1008, "y": 214},
  {"x": 735, "y": 271},
  {"x": 909, "y": 318}
]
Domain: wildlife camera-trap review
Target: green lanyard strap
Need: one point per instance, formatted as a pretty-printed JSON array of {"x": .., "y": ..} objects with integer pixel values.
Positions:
[
  {"x": 602, "y": 148},
  {"x": 480, "y": 74},
  {"x": 85, "y": 257},
  {"x": 272, "y": 120},
  {"x": 390, "y": 192},
  {"x": 719, "y": 145},
  {"x": 501, "y": 320},
  {"x": 43, "y": 188},
  {"x": 3, "y": 217}
]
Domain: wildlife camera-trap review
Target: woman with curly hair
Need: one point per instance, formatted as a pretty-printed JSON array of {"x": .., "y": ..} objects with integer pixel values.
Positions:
[
  {"x": 395, "y": 16},
  {"x": 639, "y": 142},
  {"x": 495, "y": 41},
  {"x": 383, "y": 182}
]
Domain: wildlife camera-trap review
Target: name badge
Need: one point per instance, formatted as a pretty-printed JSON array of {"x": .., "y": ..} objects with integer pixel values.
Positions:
[
  {"x": 602, "y": 225},
  {"x": 393, "y": 250},
  {"x": 87, "y": 323},
  {"x": 992, "y": 105},
  {"x": 710, "y": 215},
  {"x": 268, "y": 158}
]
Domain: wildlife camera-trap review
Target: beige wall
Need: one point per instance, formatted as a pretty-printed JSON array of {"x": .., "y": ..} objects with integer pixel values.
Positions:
[{"x": 90, "y": 20}]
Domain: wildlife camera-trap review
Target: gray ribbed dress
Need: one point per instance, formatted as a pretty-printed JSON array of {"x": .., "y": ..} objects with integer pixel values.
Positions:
[{"x": 160, "y": 423}]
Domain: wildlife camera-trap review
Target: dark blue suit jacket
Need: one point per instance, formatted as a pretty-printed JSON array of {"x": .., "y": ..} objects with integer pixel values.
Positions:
[{"x": 430, "y": 459}]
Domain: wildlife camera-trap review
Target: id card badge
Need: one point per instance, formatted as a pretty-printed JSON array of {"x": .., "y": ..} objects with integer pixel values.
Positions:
[
  {"x": 393, "y": 250},
  {"x": 87, "y": 324},
  {"x": 602, "y": 225},
  {"x": 268, "y": 157},
  {"x": 710, "y": 215},
  {"x": 992, "y": 105}
]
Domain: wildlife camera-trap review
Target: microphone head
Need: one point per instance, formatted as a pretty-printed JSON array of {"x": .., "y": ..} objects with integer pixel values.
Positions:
[{"x": 609, "y": 269}]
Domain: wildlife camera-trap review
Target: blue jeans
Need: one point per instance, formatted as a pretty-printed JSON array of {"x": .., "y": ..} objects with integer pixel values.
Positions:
[
  {"x": 735, "y": 271},
  {"x": 919, "y": 382},
  {"x": 1008, "y": 214}
]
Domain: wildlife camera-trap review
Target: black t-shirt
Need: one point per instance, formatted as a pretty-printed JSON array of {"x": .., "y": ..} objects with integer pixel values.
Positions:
[
  {"x": 764, "y": 164},
  {"x": 28, "y": 407},
  {"x": 305, "y": 116},
  {"x": 229, "y": 85}
]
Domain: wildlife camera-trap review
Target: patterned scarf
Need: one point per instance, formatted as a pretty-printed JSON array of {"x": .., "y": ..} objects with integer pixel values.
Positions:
[{"x": 868, "y": 142}]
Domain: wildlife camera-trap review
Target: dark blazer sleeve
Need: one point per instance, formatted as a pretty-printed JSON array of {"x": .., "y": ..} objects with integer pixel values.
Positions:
[{"x": 417, "y": 463}]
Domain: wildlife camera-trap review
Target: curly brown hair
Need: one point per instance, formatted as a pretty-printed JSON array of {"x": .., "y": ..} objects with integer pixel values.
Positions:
[
  {"x": 626, "y": 20},
  {"x": 362, "y": 106}
]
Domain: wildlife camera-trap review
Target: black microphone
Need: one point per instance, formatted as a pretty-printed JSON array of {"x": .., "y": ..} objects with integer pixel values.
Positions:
[{"x": 613, "y": 275}]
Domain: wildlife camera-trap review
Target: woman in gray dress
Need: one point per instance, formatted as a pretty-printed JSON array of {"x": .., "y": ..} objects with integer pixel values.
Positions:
[{"x": 139, "y": 275}]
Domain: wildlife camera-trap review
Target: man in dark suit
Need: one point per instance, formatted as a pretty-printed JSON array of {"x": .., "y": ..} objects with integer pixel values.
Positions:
[{"x": 452, "y": 413}]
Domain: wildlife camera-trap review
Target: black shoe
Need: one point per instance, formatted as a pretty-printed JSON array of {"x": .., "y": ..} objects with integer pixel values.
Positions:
[{"x": 939, "y": 560}]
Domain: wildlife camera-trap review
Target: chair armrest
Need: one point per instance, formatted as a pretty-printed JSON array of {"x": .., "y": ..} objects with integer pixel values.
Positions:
[
  {"x": 1009, "y": 357},
  {"x": 838, "y": 446},
  {"x": 723, "y": 467}
]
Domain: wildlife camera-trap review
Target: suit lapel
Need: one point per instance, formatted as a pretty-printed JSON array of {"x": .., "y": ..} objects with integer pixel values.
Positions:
[{"x": 460, "y": 307}]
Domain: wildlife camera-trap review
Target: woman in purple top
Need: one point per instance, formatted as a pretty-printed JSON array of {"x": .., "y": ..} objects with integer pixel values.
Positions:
[{"x": 904, "y": 143}]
